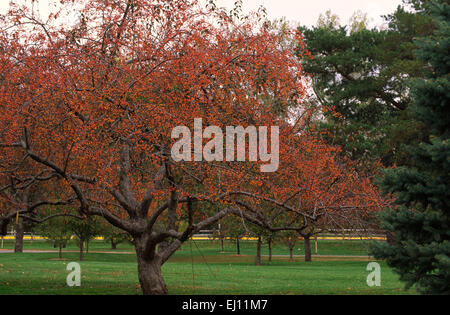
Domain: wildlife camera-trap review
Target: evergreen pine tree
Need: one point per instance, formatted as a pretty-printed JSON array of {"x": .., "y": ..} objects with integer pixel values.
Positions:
[
  {"x": 363, "y": 75},
  {"x": 420, "y": 221}
]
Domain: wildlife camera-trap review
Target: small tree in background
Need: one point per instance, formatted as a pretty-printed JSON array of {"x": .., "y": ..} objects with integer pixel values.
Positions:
[
  {"x": 259, "y": 233},
  {"x": 271, "y": 238},
  {"x": 289, "y": 238},
  {"x": 233, "y": 227},
  {"x": 84, "y": 230},
  {"x": 57, "y": 231},
  {"x": 114, "y": 236}
]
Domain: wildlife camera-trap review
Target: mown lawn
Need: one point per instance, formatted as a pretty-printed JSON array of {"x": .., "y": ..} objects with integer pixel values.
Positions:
[
  {"x": 198, "y": 268},
  {"x": 325, "y": 247}
]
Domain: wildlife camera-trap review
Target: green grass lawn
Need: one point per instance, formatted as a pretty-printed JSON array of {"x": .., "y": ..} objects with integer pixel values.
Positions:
[
  {"x": 198, "y": 268},
  {"x": 325, "y": 247}
]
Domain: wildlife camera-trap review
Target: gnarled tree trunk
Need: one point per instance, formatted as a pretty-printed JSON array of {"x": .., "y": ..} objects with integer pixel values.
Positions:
[
  {"x": 150, "y": 277},
  {"x": 149, "y": 271}
]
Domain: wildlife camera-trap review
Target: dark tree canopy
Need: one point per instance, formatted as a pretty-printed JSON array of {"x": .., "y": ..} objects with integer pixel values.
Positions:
[
  {"x": 361, "y": 77},
  {"x": 420, "y": 222}
]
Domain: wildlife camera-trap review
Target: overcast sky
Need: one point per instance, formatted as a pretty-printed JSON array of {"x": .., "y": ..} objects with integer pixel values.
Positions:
[{"x": 304, "y": 12}]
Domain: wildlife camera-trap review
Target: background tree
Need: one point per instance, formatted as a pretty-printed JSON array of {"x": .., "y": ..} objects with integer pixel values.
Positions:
[
  {"x": 219, "y": 234},
  {"x": 271, "y": 238},
  {"x": 21, "y": 199},
  {"x": 328, "y": 20},
  {"x": 358, "y": 21},
  {"x": 234, "y": 228},
  {"x": 57, "y": 232},
  {"x": 114, "y": 236},
  {"x": 261, "y": 234},
  {"x": 290, "y": 239},
  {"x": 420, "y": 222},
  {"x": 84, "y": 230},
  {"x": 360, "y": 78}
]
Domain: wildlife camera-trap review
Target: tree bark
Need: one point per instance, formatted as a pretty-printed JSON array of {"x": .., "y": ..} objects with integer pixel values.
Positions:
[
  {"x": 269, "y": 244},
  {"x": 18, "y": 244},
  {"x": 113, "y": 244},
  {"x": 315, "y": 245},
  {"x": 258, "y": 252},
  {"x": 150, "y": 277},
  {"x": 60, "y": 250},
  {"x": 149, "y": 271},
  {"x": 163, "y": 246},
  {"x": 307, "y": 243},
  {"x": 291, "y": 253},
  {"x": 238, "y": 247},
  {"x": 81, "y": 249}
]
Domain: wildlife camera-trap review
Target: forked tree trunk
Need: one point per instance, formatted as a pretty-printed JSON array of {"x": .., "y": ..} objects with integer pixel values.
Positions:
[
  {"x": 307, "y": 243},
  {"x": 18, "y": 244},
  {"x": 149, "y": 272}
]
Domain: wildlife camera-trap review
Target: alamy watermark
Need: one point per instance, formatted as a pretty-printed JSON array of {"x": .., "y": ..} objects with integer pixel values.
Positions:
[
  {"x": 374, "y": 278},
  {"x": 235, "y": 144},
  {"x": 74, "y": 278}
]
